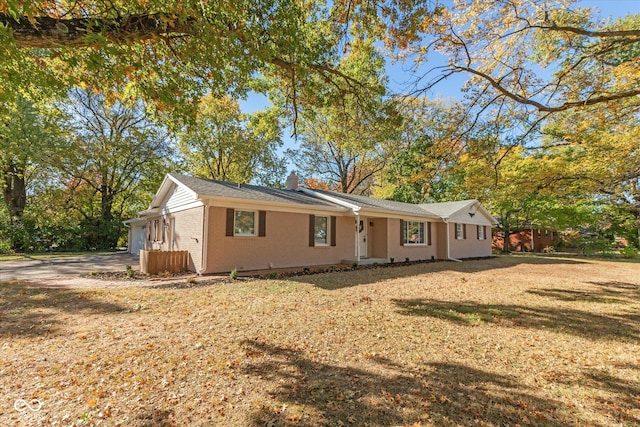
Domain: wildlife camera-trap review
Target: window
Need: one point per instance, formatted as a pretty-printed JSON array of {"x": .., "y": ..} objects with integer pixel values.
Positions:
[
  {"x": 244, "y": 223},
  {"x": 461, "y": 231},
  {"x": 320, "y": 229},
  {"x": 157, "y": 231},
  {"x": 414, "y": 233},
  {"x": 481, "y": 234}
]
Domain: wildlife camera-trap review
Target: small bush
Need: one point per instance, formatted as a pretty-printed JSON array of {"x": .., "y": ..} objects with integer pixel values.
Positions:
[
  {"x": 629, "y": 252},
  {"x": 130, "y": 272},
  {"x": 234, "y": 274},
  {"x": 5, "y": 247},
  {"x": 191, "y": 280},
  {"x": 596, "y": 246},
  {"x": 392, "y": 260}
]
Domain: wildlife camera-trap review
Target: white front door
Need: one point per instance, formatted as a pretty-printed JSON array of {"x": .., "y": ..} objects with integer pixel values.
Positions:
[{"x": 362, "y": 237}]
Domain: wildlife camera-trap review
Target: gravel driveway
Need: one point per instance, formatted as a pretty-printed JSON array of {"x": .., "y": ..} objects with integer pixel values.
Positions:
[{"x": 65, "y": 267}]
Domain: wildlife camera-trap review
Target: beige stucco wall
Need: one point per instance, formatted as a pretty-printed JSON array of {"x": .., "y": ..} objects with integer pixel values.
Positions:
[
  {"x": 377, "y": 238},
  {"x": 440, "y": 231},
  {"x": 186, "y": 236},
  {"x": 286, "y": 244},
  {"x": 400, "y": 253},
  {"x": 470, "y": 247}
]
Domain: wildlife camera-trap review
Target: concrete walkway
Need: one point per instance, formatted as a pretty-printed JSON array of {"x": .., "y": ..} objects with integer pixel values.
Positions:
[{"x": 48, "y": 268}]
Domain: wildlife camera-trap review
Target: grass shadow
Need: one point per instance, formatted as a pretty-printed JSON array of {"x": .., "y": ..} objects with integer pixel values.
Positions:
[
  {"x": 604, "y": 292},
  {"x": 31, "y": 311},
  {"x": 311, "y": 393},
  {"x": 625, "y": 326},
  {"x": 365, "y": 276}
]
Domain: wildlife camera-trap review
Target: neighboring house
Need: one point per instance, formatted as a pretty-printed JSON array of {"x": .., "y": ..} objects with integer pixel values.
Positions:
[
  {"x": 528, "y": 239},
  {"x": 226, "y": 226}
]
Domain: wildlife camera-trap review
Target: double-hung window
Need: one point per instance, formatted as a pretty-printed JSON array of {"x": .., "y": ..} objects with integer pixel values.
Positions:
[
  {"x": 321, "y": 230},
  {"x": 461, "y": 231},
  {"x": 481, "y": 234},
  {"x": 244, "y": 223},
  {"x": 414, "y": 233}
]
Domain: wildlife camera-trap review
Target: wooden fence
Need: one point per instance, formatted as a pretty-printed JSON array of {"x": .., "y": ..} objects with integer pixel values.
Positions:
[{"x": 155, "y": 262}]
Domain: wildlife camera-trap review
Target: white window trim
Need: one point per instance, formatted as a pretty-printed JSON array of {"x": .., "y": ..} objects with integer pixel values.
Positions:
[
  {"x": 327, "y": 231},
  {"x": 459, "y": 231},
  {"x": 255, "y": 224},
  {"x": 481, "y": 235},
  {"x": 424, "y": 233},
  {"x": 157, "y": 231}
]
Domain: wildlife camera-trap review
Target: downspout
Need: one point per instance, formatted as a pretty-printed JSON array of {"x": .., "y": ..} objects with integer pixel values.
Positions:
[
  {"x": 449, "y": 245},
  {"x": 357, "y": 235},
  {"x": 205, "y": 233}
]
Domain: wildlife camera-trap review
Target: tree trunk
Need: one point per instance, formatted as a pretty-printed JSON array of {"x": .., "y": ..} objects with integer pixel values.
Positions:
[{"x": 15, "y": 192}]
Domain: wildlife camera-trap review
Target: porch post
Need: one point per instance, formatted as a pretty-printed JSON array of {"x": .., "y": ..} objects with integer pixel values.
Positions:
[{"x": 357, "y": 228}]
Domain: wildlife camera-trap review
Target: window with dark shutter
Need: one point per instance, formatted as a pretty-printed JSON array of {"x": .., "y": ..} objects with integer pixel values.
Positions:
[
  {"x": 230, "y": 218},
  {"x": 429, "y": 233},
  {"x": 312, "y": 228},
  {"x": 464, "y": 231},
  {"x": 402, "y": 232},
  {"x": 333, "y": 231},
  {"x": 262, "y": 223}
]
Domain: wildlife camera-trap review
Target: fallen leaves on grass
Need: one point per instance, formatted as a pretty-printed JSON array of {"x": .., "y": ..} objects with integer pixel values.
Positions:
[{"x": 412, "y": 345}]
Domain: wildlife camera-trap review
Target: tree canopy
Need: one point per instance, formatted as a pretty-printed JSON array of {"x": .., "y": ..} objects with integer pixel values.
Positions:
[{"x": 545, "y": 129}]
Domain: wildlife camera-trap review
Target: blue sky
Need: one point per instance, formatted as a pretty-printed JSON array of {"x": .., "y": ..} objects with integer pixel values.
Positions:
[{"x": 399, "y": 75}]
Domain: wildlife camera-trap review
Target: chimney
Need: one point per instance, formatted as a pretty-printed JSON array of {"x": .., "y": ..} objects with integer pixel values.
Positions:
[{"x": 292, "y": 181}]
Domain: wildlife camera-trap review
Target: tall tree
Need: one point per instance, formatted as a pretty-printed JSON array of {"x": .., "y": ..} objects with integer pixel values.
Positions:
[
  {"x": 346, "y": 137},
  {"x": 601, "y": 148},
  {"x": 114, "y": 150},
  {"x": 27, "y": 138},
  {"x": 426, "y": 148},
  {"x": 225, "y": 144}
]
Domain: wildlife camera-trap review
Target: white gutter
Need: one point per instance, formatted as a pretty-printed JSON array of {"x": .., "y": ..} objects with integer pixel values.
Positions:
[
  {"x": 448, "y": 243},
  {"x": 357, "y": 236},
  {"x": 339, "y": 202}
]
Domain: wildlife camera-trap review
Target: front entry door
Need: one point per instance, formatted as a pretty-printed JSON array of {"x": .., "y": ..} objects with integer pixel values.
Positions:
[{"x": 362, "y": 237}]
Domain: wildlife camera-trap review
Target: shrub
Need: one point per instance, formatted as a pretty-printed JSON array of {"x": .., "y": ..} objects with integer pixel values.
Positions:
[
  {"x": 234, "y": 274},
  {"x": 596, "y": 245},
  {"x": 629, "y": 252},
  {"x": 5, "y": 247},
  {"x": 130, "y": 272}
]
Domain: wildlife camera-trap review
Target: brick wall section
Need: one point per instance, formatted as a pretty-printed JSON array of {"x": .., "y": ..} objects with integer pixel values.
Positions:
[
  {"x": 186, "y": 235},
  {"x": 520, "y": 241},
  {"x": 286, "y": 244},
  {"x": 470, "y": 247},
  {"x": 400, "y": 253}
]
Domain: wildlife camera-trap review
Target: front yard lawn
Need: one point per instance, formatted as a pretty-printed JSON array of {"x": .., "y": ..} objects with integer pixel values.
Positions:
[{"x": 506, "y": 341}]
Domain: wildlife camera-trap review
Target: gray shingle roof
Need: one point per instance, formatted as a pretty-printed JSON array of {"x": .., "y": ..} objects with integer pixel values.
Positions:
[
  {"x": 213, "y": 188},
  {"x": 446, "y": 209},
  {"x": 379, "y": 204}
]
